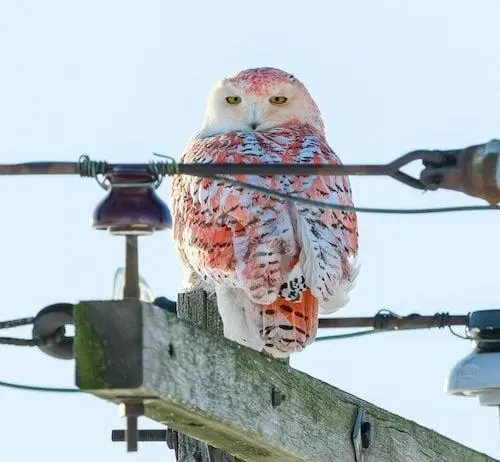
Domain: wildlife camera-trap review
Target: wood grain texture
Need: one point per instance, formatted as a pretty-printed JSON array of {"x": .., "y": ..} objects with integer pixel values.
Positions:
[
  {"x": 212, "y": 389},
  {"x": 201, "y": 310}
]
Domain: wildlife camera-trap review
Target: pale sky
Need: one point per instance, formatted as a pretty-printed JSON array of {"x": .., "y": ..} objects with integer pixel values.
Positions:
[{"x": 120, "y": 79}]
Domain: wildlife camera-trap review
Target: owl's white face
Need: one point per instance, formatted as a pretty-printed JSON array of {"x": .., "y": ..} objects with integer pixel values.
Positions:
[{"x": 259, "y": 99}]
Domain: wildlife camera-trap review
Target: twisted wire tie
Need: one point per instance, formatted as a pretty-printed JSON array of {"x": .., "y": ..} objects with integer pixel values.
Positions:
[
  {"x": 168, "y": 166},
  {"x": 87, "y": 167},
  {"x": 163, "y": 168},
  {"x": 92, "y": 169},
  {"x": 381, "y": 317},
  {"x": 443, "y": 319}
]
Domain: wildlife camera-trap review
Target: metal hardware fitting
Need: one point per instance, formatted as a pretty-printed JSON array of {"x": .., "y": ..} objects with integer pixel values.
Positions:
[
  {"x": 277, "y": 397},
  {"x": 361, "y": 435}
]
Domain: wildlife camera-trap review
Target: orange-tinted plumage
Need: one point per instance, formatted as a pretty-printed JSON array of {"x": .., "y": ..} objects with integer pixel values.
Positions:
[
  {"x": 272, "y": 262},
  {"x": 300, "y": 326}
]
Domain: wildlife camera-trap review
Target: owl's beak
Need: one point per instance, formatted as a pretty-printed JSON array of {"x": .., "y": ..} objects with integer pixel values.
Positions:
[{"x": 254, "y": 116}]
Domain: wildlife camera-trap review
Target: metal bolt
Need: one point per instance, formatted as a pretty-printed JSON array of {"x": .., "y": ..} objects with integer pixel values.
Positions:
[
  {"x": 143, "y": 435},
  {"x": 366, "y": 434},
  {"x": 362, "y": 435},
  {"x": 131, "y": 410},
  {"x": 277, "y": 397},
  {"x": 172, "y": 438}
]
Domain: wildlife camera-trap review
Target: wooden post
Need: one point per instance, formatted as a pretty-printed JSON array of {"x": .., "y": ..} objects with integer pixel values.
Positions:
[
  {"x": 234, "y": 398},
  {"x": 201, "y": 310}
]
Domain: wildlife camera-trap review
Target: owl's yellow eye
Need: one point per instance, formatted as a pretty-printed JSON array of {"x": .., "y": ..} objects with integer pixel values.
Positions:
[
  {"x": 233, "y": 100},
  {"x": 278, "y": 99}
]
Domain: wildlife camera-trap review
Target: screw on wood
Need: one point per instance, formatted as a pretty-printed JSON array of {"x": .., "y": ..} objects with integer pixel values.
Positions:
[
  {"x": 277, "y": 397},
  {"x": 361, "y": 435}
]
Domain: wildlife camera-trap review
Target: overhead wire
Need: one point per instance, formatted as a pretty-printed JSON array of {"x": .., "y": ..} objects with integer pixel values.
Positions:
[
  {"x": 17, "y": 341},
  {"x": 360, "y": 333},
  {"x": 20, "y": 386},
  {"x": 86, "y": 167},
  {"x": 349, "y": 208}
]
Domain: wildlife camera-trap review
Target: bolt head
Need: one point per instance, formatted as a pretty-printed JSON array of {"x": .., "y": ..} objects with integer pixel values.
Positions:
[
  {"x": 277, "y": 397},
  {"x": 171, "y": 438},
  {"x": 366, "y": 434}
]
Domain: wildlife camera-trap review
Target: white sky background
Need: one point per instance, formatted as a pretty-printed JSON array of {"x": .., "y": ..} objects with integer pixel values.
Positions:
[{"x": 120, "y": 79}]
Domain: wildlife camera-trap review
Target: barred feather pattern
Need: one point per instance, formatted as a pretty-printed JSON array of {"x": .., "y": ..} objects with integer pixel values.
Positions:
[{"x": 276, "y": 261}]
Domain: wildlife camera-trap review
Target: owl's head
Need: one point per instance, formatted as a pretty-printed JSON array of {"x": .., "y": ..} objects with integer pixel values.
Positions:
[{"x": 259, "y": 99}]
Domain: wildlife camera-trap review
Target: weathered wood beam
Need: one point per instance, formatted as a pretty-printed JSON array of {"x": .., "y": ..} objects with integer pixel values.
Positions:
[
  {"x": 201, "y": 310},
  {"x": 214, "y": 390}
]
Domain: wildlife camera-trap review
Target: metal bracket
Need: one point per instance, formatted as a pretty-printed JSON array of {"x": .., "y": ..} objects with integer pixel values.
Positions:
[
  {"x": 361, "y": 435},
  {"x": 132, "y": 409}
]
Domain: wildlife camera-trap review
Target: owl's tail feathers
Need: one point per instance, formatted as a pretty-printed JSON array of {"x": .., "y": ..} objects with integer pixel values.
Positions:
[
  {"x": 280, "y": 328},
  {"x": 288, "y": 326}
]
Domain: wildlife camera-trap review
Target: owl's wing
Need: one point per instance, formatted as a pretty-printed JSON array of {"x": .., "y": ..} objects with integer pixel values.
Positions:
[
  {"x": 328, "y": 238},
  {"x": 230, "y": 235}
]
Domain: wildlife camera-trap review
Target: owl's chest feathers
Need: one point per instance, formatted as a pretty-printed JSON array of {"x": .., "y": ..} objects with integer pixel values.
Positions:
[{"x": 281, "y": 144}]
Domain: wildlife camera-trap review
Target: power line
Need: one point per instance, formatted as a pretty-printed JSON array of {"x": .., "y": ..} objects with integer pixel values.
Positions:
[
  {"x": 16, "y": 323},
  {"x": 89, "y": 168},
  {"x": 438, "y": 163},
  {"x": 360, "y": 333},
  {"x": 13, "y": 323},
  {"x": 349, "y": 208},
  {"x": 389, "y": 320},
  {"x": 24, "y": 387},
  {"x": 17, "y": 341},
  {"x": 384, "y": 321}
]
